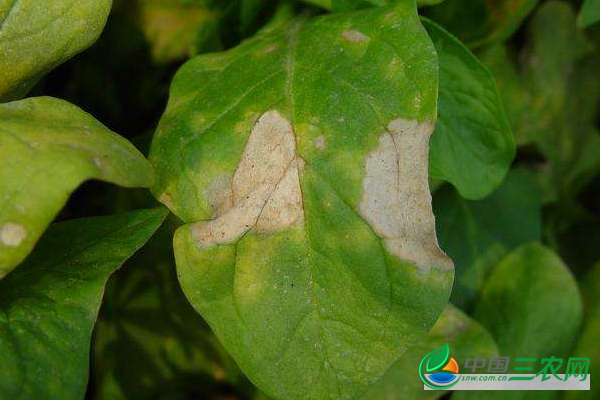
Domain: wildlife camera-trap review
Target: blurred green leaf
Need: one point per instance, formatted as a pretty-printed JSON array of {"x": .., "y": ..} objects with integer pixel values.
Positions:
[
  {"x": 37, "y": 36},
  {"x": 511, "y": 84},
  {"x": 48, "y": 147},
  {"x": 49, "y": 305},
  {"x": 476, "y": 234},
  {"x": 481, "y": 22},
  {"x": 589, "y": 13},
  {"x": 100, "y": 79},
  {"x": 465, "y": 337},
  {"x": 587, "y": 343},
  {"x": 531, "y": 305},
  {"x": 177, "y": 29},
  {"x": 472, "y": 146},
  {"x": 149, "y": 342},
  {"x": 554, "y": 103},
  {"x": 349, "y": 5}
]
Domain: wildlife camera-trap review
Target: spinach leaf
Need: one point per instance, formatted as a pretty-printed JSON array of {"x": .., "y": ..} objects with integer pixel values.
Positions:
[
  {"x": 476, "y": 234},
  {"x": 481, "y": 22},
  {"x": 49, "y": 305},
  {"x": 349, "y": 5},
  {"x": 37, "y": 36},
  {"x": 590, "y": 13},
  {"x": 553, "y": 98},
  {"x": 177, "y": 29},
  {"x": 464, "y": 336},
  {"x": 472, "y": 146},
  {"x": 587, "y": 343},
  {"x": 281, "y": 170},
  {"x": 47, "y": 148},
  {"x": 532, "y": 306},
  {"x": 149, "y": 342}
]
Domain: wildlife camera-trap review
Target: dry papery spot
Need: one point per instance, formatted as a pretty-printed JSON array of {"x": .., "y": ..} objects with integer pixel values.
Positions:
[
  {"x": 320, "y": 142},
  {"x": 166, "y": 199},
  {"x": 396, "y": 201},
  {"x": 270, "y": 49},
  {"x": 354, "y": 36},
  {"x": 12, "y": 234},
  {"x": 264, "y": 193}
]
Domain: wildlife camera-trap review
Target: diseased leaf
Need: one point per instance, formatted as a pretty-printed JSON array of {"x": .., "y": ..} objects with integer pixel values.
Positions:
[
  {"x": 472, "y": 146},
  {"x": 49, "y": 305},
  {"x": 481, "y": 22},
  {"x": 465, "y": 338},
  {"x": 312, "y": 271},
  {"x": 532, "y": 307},
  {"x": 476, "y": 234},
  {"x": 36, "y": 36},
  {"x": 47, "y": 148},
  {"x": 589, "y": 13}
]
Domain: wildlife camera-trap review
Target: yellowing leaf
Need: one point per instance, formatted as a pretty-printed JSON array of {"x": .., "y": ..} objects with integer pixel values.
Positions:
[
  {"x": 48, "y": 147},
  {"x": 36, "y": 36}
]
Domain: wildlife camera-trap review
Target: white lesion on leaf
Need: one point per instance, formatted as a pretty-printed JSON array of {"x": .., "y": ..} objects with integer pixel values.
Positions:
[
  {"x": 354, "y": 36},
  {"x": 264, "y": 193},
  {"x": 167, "y": 200},
  {"x": 12, "y": 234},
  {"x": 396, "y": 201},
  {"x": 320, "y": 142}
]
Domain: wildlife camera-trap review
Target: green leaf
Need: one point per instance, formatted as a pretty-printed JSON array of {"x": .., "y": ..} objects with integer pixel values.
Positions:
[
  {"x": 149, "y": 342},
  {"x": 587, "y": 343},
  {"x": 472, "y": 146},
  {"x": 288, "y": 254},
  {"x": 589, "y": 13},
  {"x": 476, "y": 234},
  {"x": 36, "y": 37},
  {"x": 349, "y": 5},
  {"x": 47, "y": 148},
  {"x": 465, "y": 338},
  {"x": 553, "y": 104},
  {"x": 566, "y": 89},
  {"x": 481, "y": 22},
  {"x": 512, "y": 87},
  {"x": 48, "y": 306},
  {"x": 531, "y": 282},
  {"x": 532, "y": 306}
]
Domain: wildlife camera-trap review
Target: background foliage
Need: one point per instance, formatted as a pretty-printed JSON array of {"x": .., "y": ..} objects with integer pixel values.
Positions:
[{"x": 515, "y": 178}]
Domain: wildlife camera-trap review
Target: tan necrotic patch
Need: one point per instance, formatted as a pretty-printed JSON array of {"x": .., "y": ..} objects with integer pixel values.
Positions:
[
  {"x": 320, "y": 142},
  {"x": 12, "y": 234},
  {"x": 264, "y": 193},
  {"x": 354, "y": 36},
  {"x": 396, "y": 201}
]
